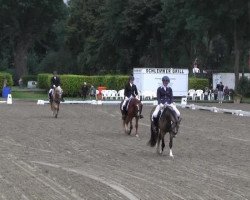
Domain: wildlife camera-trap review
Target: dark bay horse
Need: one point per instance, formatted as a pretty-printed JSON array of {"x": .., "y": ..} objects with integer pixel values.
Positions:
[
  {"x": 55, "y": 103},
  {"x": 134, "y": 110},
  {"x": 168, "y": 122}
]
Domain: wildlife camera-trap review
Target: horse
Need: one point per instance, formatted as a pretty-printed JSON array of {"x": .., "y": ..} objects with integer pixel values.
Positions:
[
  {"x": 168, "y": 122},
  {"x": 55, "y": 102},
  {"x": 134, "y": 110}
]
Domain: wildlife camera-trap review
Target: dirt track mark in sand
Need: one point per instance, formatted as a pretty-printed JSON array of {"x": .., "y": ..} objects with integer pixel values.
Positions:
[{"x": 115, "y": 186}]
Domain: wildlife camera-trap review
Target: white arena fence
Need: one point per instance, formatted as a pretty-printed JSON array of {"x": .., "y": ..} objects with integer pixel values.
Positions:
[{"x": 183, "y": 104}]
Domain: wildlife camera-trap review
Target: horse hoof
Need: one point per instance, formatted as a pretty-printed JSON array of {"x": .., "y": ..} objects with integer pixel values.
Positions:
[
  {"x": 136, "y": 135},
  {"x": 159, "y": 152}
]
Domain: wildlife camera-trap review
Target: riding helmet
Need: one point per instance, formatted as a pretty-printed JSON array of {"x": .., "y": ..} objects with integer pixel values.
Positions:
[
  {"x": 165, "y": 78},
  {"x": 131, "y": 78}
]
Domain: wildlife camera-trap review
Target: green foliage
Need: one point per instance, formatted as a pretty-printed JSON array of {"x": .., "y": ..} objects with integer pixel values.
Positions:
[
  {"x": 28, "y": 24},
  {"x": 198, "y": 83},
  {"x": 43, "y": 81},
  {"x": 71, "y": 84},
  {"x": 243, "y": 87},
  {"x": 98, "y": 37},
  {"x": 6, "y": 76}
]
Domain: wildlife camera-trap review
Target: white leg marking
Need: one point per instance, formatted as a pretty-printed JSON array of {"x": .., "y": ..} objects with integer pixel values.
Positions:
[{"x": 171, "y": 153}]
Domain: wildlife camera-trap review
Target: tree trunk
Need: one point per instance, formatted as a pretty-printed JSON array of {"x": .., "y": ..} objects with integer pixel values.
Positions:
[
  {"x": 20, "y": 59},
  {"x": 237, "y": 56}
]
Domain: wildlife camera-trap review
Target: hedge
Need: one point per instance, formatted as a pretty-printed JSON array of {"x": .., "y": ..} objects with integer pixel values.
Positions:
[
  {"x": 71, "y": 84},
  {"x": 8, "y": 76},
  {"x": 198, "y": 83}
]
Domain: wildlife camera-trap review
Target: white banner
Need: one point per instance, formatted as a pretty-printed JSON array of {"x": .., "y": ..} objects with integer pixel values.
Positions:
[{"x": 149, "y": 79}]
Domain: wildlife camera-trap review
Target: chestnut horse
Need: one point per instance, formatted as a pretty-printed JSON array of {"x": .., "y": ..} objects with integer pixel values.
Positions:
[
  {"x": 168, "y": 122},
  {"x": 134, "y": 110},
  {"x": 55, "y": 103}
]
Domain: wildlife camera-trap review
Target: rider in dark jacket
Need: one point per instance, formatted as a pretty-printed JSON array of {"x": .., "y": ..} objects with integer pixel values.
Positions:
[
  {"x": 164, "y": 96},
  {"x": 130, "y": 91},
  {"x": 55, "y": 81}
]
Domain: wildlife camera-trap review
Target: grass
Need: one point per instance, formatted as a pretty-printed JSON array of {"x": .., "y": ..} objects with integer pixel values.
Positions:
[{"x": 29, "y": 95}]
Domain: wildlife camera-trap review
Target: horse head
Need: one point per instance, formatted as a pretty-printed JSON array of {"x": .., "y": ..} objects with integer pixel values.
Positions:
[
  {"x": 137, "y": 106},
  {"x": 57, "y": 95},
  {"x": 173, "y": 122}
]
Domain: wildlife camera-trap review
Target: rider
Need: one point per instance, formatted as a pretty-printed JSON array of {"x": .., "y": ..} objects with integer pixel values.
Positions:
[
  {"x": 130, "y": 91},
  {"x": 55, "y": 82},
  {"x": 164, "y": 96}
]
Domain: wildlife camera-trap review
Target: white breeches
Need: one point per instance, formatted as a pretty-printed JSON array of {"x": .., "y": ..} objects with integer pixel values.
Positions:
[
  {"x": 161, "y": 106},
  {"x": 125, "y": 101}
]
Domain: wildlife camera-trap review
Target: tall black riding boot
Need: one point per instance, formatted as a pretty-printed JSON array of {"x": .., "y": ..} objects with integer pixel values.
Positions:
[
  {"x": 50, "y": 97},
  {"x": 155, "y": 124},
  {"x": 124, "y": 113}
]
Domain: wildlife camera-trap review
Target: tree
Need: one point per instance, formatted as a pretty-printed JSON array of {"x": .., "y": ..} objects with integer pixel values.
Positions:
[{"x": 23, "y": 22}]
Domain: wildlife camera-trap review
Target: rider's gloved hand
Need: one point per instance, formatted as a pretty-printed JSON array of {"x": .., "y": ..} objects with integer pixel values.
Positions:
[{"x": 161, "y": 105}]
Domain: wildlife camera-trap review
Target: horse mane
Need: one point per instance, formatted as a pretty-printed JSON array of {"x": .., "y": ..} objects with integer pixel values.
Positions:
[{"x": 168, "y": 111}]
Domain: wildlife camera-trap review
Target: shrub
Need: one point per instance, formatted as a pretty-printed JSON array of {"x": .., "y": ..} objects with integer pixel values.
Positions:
[
  {"x": 43, "y": 81},
  {"x": 71, "y": 84},
  {"x": 198, "y": 83},
  {"x": 243, "y": 87},
  {"x": 8, "y": 76}
]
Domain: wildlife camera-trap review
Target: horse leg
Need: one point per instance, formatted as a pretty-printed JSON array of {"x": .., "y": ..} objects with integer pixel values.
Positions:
[
  {"x": 131, "y": 127},
  {"x": 171, "y": 136},
  {"x": 136, "y": 127},
  {"x": 125, "y": 126},
  {"x": 57, "y": 110},
  {"x": 159, "y": 151},
  {"x": 127, "y": 121},
  {"x": 162, "y": 143}
]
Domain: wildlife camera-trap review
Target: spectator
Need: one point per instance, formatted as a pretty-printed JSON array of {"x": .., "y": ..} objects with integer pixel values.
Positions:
[
  {"x": 226, "y": 93},
  {"x": 92, "y": 91},
  {"x": 215, "y": 94},
  {"x": 206, "y": 93},
  {"x": 85, "y": 90},
  {"x": 20, "y": 82},
  {"x": 196, "y": 69},
  {"x": 220, "y": 88}
]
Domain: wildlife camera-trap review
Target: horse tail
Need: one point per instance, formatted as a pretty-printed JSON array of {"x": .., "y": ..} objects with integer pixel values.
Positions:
[{"x": 153, "y": 138}]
